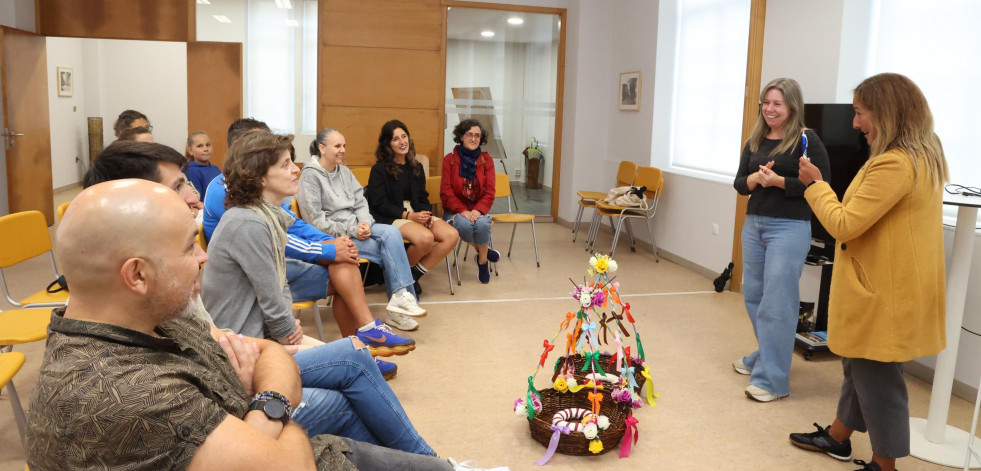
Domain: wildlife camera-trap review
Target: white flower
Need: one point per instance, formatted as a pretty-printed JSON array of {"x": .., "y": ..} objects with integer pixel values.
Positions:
[
  {"x": 603, "y": 422},
  {"x": 612, "y": 266},
  {"x": 590, "y": 431},
  {"x": 571, "y": 382}
]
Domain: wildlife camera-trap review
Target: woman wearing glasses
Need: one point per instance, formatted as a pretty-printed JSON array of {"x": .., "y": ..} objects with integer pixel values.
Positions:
[
  {"x": 467, "y": 192},
  {"x": 397, "y": 195}
]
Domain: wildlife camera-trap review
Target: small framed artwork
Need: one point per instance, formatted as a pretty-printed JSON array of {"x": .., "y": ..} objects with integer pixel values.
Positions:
[
  {"x": 66, "y": 82},
  {"x": 629, "y": 91}
]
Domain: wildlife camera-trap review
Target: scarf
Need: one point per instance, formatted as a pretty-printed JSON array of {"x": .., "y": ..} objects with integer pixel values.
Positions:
[
  {"x": 468, "y": 161},
  {"x": 277, "y": 220}
]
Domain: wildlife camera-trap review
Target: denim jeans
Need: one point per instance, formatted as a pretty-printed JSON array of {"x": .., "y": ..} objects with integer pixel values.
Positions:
[
  {"x": 308, "y": 281},
  {"x": 774, "y": 250},
  {"x": 385, "y": 248},
  {"x": 477, "y": 232},
  {"x": 344, "y": 394}
]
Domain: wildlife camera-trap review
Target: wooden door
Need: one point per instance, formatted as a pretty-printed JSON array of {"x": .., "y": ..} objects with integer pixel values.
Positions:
[
  {"x": 214, "y": 97},
  {"x": 23, "y": 76}
]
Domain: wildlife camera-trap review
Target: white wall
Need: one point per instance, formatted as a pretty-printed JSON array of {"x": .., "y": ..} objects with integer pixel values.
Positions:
[
  {"x": 18, "y": 14},
  {"x": 802, "y": 41},
  {"x": 67, "y": 115}
]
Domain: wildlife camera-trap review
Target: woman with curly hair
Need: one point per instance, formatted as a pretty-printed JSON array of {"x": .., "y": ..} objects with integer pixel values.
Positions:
[
  {"x": 397, "y": 195},
  {"x": 467, "y": 192}
]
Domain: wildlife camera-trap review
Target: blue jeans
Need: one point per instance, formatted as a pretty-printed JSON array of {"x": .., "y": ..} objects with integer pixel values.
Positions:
[
  {"x": 477, "y": 232},
  {"x": 344, "y": 394},
  {"x": 308, "y": 281},
  {"x": 385, "y": 248},
  {"x": 774, "y": 250}
]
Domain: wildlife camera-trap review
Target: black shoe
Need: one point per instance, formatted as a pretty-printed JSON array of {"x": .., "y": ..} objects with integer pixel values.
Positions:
[
  {"x": 870, "y": 466},
  {"x": 416, "y": 286},
  {"x": 821, "y": 441}
]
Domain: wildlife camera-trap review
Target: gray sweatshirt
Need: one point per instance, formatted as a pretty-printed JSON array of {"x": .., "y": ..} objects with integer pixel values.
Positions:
[
  {"x": 333, "y": 203},
  {"x": 240, "y": 287}
]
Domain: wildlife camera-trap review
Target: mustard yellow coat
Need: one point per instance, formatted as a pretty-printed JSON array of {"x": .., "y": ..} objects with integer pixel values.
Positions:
[{"x": 888, "y": 282}]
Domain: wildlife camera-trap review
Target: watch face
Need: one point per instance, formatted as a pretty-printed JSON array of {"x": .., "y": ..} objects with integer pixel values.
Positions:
[{"x": 275, "y": 409}]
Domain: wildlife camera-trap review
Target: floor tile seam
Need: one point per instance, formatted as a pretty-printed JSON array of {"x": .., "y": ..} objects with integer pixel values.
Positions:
[{"x": 549, "y": 298}]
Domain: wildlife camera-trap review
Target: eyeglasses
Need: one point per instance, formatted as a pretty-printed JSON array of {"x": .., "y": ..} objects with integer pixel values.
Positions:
[{"x": 472, "y": 135}]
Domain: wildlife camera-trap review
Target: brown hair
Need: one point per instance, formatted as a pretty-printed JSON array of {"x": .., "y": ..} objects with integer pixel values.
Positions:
[
  {"x": 129, "y": 134},
  {"x": 190, "y": 142},
  {"x": 125, "y": 119},
  {"x": 384, "y": 152},
  {"x": 794, "y": 101},
  {"x": 902, "y": 120},
  {"x": 248, "y": 160}
]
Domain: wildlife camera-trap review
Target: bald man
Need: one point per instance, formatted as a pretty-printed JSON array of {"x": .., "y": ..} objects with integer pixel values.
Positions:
[{"x": 130, "y": 380}]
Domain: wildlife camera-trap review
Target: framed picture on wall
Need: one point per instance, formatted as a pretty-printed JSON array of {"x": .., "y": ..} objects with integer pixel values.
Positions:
[
  {"x": 628, "y": 94},
  {"x": 66, "y": 82}
]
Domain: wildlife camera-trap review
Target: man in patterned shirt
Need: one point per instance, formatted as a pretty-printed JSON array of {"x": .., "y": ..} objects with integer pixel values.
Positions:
[{"x": 131, "y": 380}]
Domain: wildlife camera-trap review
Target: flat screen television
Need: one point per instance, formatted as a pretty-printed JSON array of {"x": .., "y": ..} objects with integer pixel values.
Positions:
[{"x": 847, "y": 151}]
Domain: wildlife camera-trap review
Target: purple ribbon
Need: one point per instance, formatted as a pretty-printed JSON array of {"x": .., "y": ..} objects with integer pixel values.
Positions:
[{"x": 553, "y": 443}]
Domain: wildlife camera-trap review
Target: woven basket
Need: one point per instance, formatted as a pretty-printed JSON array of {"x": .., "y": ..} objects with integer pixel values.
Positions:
[
  {"x": 578, "y": 360},
  {"x": 576, "y": 444}
]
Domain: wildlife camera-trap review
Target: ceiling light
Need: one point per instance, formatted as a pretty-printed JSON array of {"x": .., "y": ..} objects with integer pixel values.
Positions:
[
  {"x": 487, "y": 34},
  {"x": 293, "y": 23},
  {"x": 284, "y": 4},
  {"x": 514, "y": 20},
  {"x": 204, "y": 2},
  {"x": 222, "y": 18}
]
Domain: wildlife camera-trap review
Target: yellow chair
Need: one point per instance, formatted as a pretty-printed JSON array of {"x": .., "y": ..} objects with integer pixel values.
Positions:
[
  {"x": 23, "y": 236},
  {"x": 361, "y": 174},
  {"x": 503, "y": 189},
  {"x": 626, "y": 174},
  {"x": 62, "y": 208},
  {"x": 299, "y": 306},
  {"x": 200, "y": 239},
  {"x": 10, "y": 363},
  {"x": 432, "y": 187},
  {"x": 649, "y": 177}
]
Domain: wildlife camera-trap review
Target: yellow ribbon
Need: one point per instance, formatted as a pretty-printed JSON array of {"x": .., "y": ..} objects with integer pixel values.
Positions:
[
  {"x": 650, "y": 386},
  {"x": 589, "y": 384}
]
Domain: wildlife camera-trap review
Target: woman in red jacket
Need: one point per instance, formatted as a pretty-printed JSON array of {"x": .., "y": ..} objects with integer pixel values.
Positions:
[{"x": 467, "y": 192}]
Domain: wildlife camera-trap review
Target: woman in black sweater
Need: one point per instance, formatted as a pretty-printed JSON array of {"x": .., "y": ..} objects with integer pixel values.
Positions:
[{"x": 397, "y": 195}]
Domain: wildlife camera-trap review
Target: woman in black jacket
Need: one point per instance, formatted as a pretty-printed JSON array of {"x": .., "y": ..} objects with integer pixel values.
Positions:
[{"x": 397, "y": 195}]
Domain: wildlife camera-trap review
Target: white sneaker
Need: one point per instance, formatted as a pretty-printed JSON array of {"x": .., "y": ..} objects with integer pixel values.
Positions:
[
  {"x": 468, "y": 466},
  {"x": 405, "y": 304},
  {"x": 401, "y": 321},
  {"x": 761, "y": 394},
  {"x": 740, "y": 367}
]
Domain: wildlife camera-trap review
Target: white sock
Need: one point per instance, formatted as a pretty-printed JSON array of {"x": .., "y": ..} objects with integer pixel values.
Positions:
[
  {"x": 421, "y": 268},
  {"x": 367, "y": 327}
]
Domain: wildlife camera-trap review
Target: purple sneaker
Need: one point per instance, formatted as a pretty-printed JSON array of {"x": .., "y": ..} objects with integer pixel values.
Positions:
[
  {"x": 382, "y": 342},
  {"x": 388, "y": 370}
]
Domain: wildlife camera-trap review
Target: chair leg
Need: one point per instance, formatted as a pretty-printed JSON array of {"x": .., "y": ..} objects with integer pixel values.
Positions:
[
  {"x": 630, "y": 235},
  {"x": 466, "y": 251},
  {"x": 320, "y": 322},
  {"x": 575, "y": 227},
  {"x": 534, "y": 237},
  {"x": 493, "y": 266},
  {"x": 650, "y": 230},
  {"x": 593, "y": 231},
  {"x": 19, "y": 416},
  {"x": 449, "y": 275},
  {"x": 514, "y": 228},
  {"x": 616, "y": 235}
]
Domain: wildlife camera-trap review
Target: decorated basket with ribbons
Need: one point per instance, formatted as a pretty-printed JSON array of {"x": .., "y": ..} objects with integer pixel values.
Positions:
[{"x": 609, "y": 380}]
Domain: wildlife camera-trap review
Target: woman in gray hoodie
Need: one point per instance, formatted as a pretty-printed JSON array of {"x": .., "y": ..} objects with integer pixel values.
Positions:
[{"x": 332, "y": 200}]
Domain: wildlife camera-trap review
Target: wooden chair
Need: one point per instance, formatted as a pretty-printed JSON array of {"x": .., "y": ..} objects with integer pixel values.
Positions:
[
  {"x": 653, "y": 179},
  {"x": 503, "y": 189},
  {"x": 626, "y": 174},
  {"x": 24, "y": 236}
]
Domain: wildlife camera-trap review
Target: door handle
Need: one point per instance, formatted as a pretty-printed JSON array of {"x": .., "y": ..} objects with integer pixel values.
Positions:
[{"x": 9, "y": 137}]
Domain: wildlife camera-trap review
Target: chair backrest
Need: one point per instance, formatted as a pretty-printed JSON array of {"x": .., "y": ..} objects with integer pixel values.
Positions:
[
  {"x": 295, "y": 206},
  {"x": 502, "y": 186},
  {"x": 652, "y": 178},
  {"x": 424, "y": 160},
  {"x": 62, "y": 208},
  {"x": 200, "y": 238},
  {"x": 432, "y": 187},
  {"x": 22, "y": 236},
  {"x": 361, "y": 174},
  {"x": 627, "y": 173}
]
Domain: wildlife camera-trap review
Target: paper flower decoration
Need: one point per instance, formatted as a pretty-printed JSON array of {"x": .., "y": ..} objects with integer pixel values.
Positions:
[
  {"x": 596, "y": 446},
  {"x": 621, "y": 395},
  {"x": 602, "y": 264},
  {"x": 571, "y": 382},
  {"x": 561, "y": 385},
  {"x": 521, "y": 410},
  {"x": 590, "y": 431},
  {"x": 603, "y": 422}
]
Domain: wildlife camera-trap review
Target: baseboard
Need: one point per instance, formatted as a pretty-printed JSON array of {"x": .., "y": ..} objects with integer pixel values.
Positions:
[
  {"x": 960, "y": 389},
  {"x": 71, "y": 186},
  {"x": 665, "y": 254}
]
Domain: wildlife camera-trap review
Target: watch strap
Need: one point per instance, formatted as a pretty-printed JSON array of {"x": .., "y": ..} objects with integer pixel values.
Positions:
[{"x": 259, "y": 403}]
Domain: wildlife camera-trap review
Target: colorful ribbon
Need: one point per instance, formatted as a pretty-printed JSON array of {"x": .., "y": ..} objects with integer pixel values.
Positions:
[
  {"x": 640, "y": 348},
  {"x": 531, "y": 389},
  {"x": 548, "y": 348},
  {"x": 631, "y": 423},
  {"x": 589, "y": 385},
  {"x": 602, "y": 323},
  {"x": 620, "y": 350},
  {"x": 592, "y": 358},
  {"x": 596, "y": 398},
  {"x": 629, "y": 374},
  {"x": 567, "y": 322},
  {"x": 589, "y": 331},
  {"x": 650, "y": 385},
  {"x": 626, "y": 312},
  {"x": 553, "y": 444}
]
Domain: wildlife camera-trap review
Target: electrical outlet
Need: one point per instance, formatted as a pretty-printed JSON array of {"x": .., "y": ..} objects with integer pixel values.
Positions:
[
  {"x": 715, "y": 229},
  {"x": 517, "y": 173}
]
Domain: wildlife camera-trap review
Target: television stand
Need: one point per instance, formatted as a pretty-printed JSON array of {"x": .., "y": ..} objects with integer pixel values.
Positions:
[{"x": 822, "y": 255}]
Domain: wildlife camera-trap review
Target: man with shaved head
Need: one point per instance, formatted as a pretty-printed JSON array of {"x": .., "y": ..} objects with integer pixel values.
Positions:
[{"x": 129, "y": 380}]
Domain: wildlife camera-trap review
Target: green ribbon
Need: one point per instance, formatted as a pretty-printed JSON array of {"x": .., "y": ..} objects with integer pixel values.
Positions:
[
  {"x": 640, "y": 348},
  {"x": 593, "y": 358},
  {"x": 531, "y": 389}
]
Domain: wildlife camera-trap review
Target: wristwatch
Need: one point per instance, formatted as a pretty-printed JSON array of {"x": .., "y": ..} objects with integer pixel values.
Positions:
[{"x": 275, "y": 405}]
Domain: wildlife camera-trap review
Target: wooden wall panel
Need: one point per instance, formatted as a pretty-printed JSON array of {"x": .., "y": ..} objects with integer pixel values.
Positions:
[
  {"x": 398, "y": 24},
  {"x": 416, "y": 70},
  {"x": 214, "y": 98},
  {"x": 159, "y": 20},
  {"x": 361, "y": 126}
]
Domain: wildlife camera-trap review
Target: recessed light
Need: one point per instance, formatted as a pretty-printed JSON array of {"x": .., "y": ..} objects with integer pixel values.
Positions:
[
  {"x": 514, "y": 20},
  {"x": 204, "y": 2},
  {"x": 284, "y": 4},
  {"x": 487, "y": 34},
  {"x": 293, "y": 23},
  {"x": 222, "y": 18}
]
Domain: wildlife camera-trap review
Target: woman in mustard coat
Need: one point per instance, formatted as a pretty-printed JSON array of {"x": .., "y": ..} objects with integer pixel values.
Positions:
[{"x": 887, "y": 288}]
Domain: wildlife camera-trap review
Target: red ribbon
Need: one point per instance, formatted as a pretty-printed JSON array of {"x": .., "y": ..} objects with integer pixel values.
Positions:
[
  {"x": 548, "y": 348},
  {"x": 626, "y": 310},
  {"x": 630, "y": 422}
]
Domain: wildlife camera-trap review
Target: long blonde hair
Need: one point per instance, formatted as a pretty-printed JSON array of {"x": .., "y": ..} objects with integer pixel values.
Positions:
[
  {"x": 794, "y": 99},
  {"x": 902, "y": 120}
]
